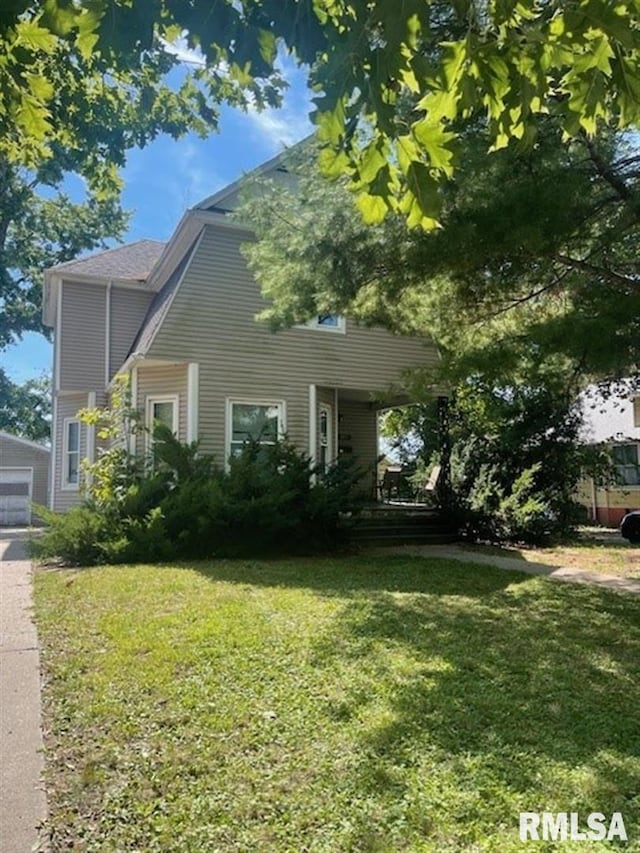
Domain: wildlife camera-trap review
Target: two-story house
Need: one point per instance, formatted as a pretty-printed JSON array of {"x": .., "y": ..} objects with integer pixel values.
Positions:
[
  {"x": 180, "y": 320},
  {"x": 613, "y": 421}
]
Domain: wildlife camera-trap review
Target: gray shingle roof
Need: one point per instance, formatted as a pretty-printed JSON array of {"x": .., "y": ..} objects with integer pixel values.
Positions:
[
  {"x": 133, "y": 262},
  {"x": 159, "y": 306}
]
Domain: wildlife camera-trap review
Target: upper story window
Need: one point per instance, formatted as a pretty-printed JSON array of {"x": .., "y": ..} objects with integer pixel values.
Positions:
[
  {"x": 626, "y": 461},
  {"x": 328, "y": 323},
  {"x": 71, "y": 454},
  {"x": 636, "y": 411},
  {"x": 249, "y": 420}
]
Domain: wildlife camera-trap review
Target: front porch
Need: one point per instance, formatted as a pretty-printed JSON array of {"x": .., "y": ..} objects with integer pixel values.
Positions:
[{"x": 346, "y": 421}]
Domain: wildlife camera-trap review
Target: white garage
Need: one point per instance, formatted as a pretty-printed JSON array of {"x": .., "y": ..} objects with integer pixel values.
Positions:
[
  {"x": 24, "y": 475},
  {"x": 16, "y": 487}
]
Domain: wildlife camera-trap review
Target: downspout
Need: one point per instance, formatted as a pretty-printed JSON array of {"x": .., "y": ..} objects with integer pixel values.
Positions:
[{"x": 107, "y": 336}]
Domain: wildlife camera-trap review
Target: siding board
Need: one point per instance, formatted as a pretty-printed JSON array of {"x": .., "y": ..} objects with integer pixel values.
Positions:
[
  {"x": 82, "y": 336},
  {"x": 67, "y": 407},
  {"x": 158, "y": 381},
  {"x": 128, "y": 310},
  {"x": 212, "y": 321}
]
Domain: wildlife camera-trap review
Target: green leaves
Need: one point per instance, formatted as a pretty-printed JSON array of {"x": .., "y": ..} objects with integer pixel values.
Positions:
[
  {"x": 510, "y": 67},
  {"x": 392, "y": 80}
]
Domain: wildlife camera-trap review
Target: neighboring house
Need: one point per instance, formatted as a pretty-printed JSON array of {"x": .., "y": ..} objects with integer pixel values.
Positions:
[
  {"x": 616, "y": 423},
  {"x": 24, "y": 478},
  {"x": 180, "y": 320}
]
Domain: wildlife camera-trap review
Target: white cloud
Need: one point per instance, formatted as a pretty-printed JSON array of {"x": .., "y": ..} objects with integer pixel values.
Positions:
[
  {"x": 193, "y": 179},
  {"x": 289, "y": 123},
  {"x": 181, "y": 50}
]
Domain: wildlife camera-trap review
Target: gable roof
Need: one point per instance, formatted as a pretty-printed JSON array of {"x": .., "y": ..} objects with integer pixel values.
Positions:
[
  {"x": 217, "y": 200},
  {"x": 132, "y": 262},
  {"x": 159, "y": 307},
  {"x": 8, "y": 436}
]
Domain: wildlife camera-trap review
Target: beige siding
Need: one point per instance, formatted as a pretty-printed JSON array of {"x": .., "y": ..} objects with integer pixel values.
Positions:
[
  {"x": 66, "y": 407},
  {"x": 82, "y": 337},
  {"x": 128, "y": 310},
  {"x": 211, "y": 321},
  {"x": 15, "y": 454},
  {"x": 158, "y": 381},
  {"x": 358, "y": 435}
]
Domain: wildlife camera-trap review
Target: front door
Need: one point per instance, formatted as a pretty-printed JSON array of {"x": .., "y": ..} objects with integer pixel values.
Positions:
[{"x": 326, "y": 453}]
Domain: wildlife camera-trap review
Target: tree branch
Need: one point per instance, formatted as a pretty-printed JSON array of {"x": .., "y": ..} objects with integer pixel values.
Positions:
[
  {"x": 607, "y": 173},
  {"x": 592, "y": 269}
]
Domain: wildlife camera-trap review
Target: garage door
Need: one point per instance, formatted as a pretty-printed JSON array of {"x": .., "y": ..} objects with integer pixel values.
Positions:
[{"x": 15, "y": 495}]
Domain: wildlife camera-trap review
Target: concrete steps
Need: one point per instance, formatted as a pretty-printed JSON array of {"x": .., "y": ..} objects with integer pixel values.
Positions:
[{"x": 402, "y": 524}]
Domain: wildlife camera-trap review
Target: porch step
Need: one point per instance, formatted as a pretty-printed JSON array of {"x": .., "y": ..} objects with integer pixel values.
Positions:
[{"x": 398, "y": 525}]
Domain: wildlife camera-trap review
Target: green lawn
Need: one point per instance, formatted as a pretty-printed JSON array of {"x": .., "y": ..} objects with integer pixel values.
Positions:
[{"x": 349, "y": 704}]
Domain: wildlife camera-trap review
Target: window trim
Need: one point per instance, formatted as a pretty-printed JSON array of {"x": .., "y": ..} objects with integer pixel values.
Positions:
[
  {"x": 248, "y": 401},
  {"x": 149, "y": 402},
  {"x": 326, "y": 409},
  {"x": 314, "y": 325},
  {"x": 65, "y": 484},
  {"x": 626, "y": 486}
]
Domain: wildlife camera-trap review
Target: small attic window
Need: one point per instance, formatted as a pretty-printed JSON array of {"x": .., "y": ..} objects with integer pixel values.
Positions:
[{"x": 327, "y": 323}]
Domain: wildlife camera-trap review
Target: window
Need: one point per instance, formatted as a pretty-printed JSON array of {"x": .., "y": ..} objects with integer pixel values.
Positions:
[
  {"x": 162, "y": 410},
  {"x": 253, "y": 421},
  {"x": 626, "y": 461},
  {"x": 636, "y": 411},
  {"x": 327, "y": 322},
  {"x": 71, "y": 454},
  {"x": 325, "y": 436}
]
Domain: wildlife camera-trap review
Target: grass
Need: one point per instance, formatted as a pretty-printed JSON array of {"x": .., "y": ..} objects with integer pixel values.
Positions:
[
  {"x": 329, "y": 705},
  {"x": 599, "y": 551}
]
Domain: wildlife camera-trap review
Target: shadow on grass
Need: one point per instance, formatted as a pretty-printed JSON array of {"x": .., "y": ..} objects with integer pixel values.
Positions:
[
  {"x": 516, "y": 696},
  {"x": 351, "y": 575},
  {"x": 517, "y": 687}
]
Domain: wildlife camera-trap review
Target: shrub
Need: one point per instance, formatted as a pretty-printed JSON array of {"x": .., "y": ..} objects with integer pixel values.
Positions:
[
  {"x": 82, "y": 536},
  {"x": 269, "y": 500}
]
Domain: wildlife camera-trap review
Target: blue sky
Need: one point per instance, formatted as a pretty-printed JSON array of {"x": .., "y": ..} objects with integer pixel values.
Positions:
[{"x": 165, "y": 179}]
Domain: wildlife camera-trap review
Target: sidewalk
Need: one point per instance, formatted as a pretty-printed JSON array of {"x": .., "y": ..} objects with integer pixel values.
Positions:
[
  {"x": 556, "y": 573},
  {"x": 23, "y": 805}
]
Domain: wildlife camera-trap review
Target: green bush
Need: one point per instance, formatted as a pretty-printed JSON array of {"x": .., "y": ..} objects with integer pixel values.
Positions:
[
  {"x": 269, "y": 500},
  {"x": 80, "y": 537}
]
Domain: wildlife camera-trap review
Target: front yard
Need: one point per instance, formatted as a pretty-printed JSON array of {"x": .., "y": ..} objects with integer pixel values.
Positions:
[
  {"x": 352, "y": 704},
  {"x": 598, "y": 550}
]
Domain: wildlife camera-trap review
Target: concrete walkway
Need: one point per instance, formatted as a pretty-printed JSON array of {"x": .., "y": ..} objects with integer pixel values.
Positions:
[
  {"x": 23, "y": 806},
  {"x": 565, "y": 574}
]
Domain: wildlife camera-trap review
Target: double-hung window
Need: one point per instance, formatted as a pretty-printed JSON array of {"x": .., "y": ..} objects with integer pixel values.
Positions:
[
  {"x": 164, "y": 410},
  {"x": 247, "y": 420},
  {"x": 71, "y": 454},
  {"x": 626, "y": 461}
]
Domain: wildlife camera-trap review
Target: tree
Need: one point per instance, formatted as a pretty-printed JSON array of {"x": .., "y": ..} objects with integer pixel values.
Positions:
[
  {"x": 535, "y": 266},
  {"x": 392, "y": 80},
  {"x": 74, "y": 100},
  {"x": 516, "y": 457},
  {"x": 25, "y": 410}
]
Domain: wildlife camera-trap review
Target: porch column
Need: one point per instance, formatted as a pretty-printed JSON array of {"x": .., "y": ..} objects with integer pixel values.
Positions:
[
  {"x": 444, "y": 440},
  {"x": 133, "y": 392},
  {"x": 193, "y": 394},
  {"x": 313, "y": 424}
]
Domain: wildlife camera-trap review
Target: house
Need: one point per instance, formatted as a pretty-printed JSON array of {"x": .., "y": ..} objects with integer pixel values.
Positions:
[
  {"x": 615, "y": 422},
  {"x": 180, "y": 321},
  {"x": 24, "y": 478}
]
